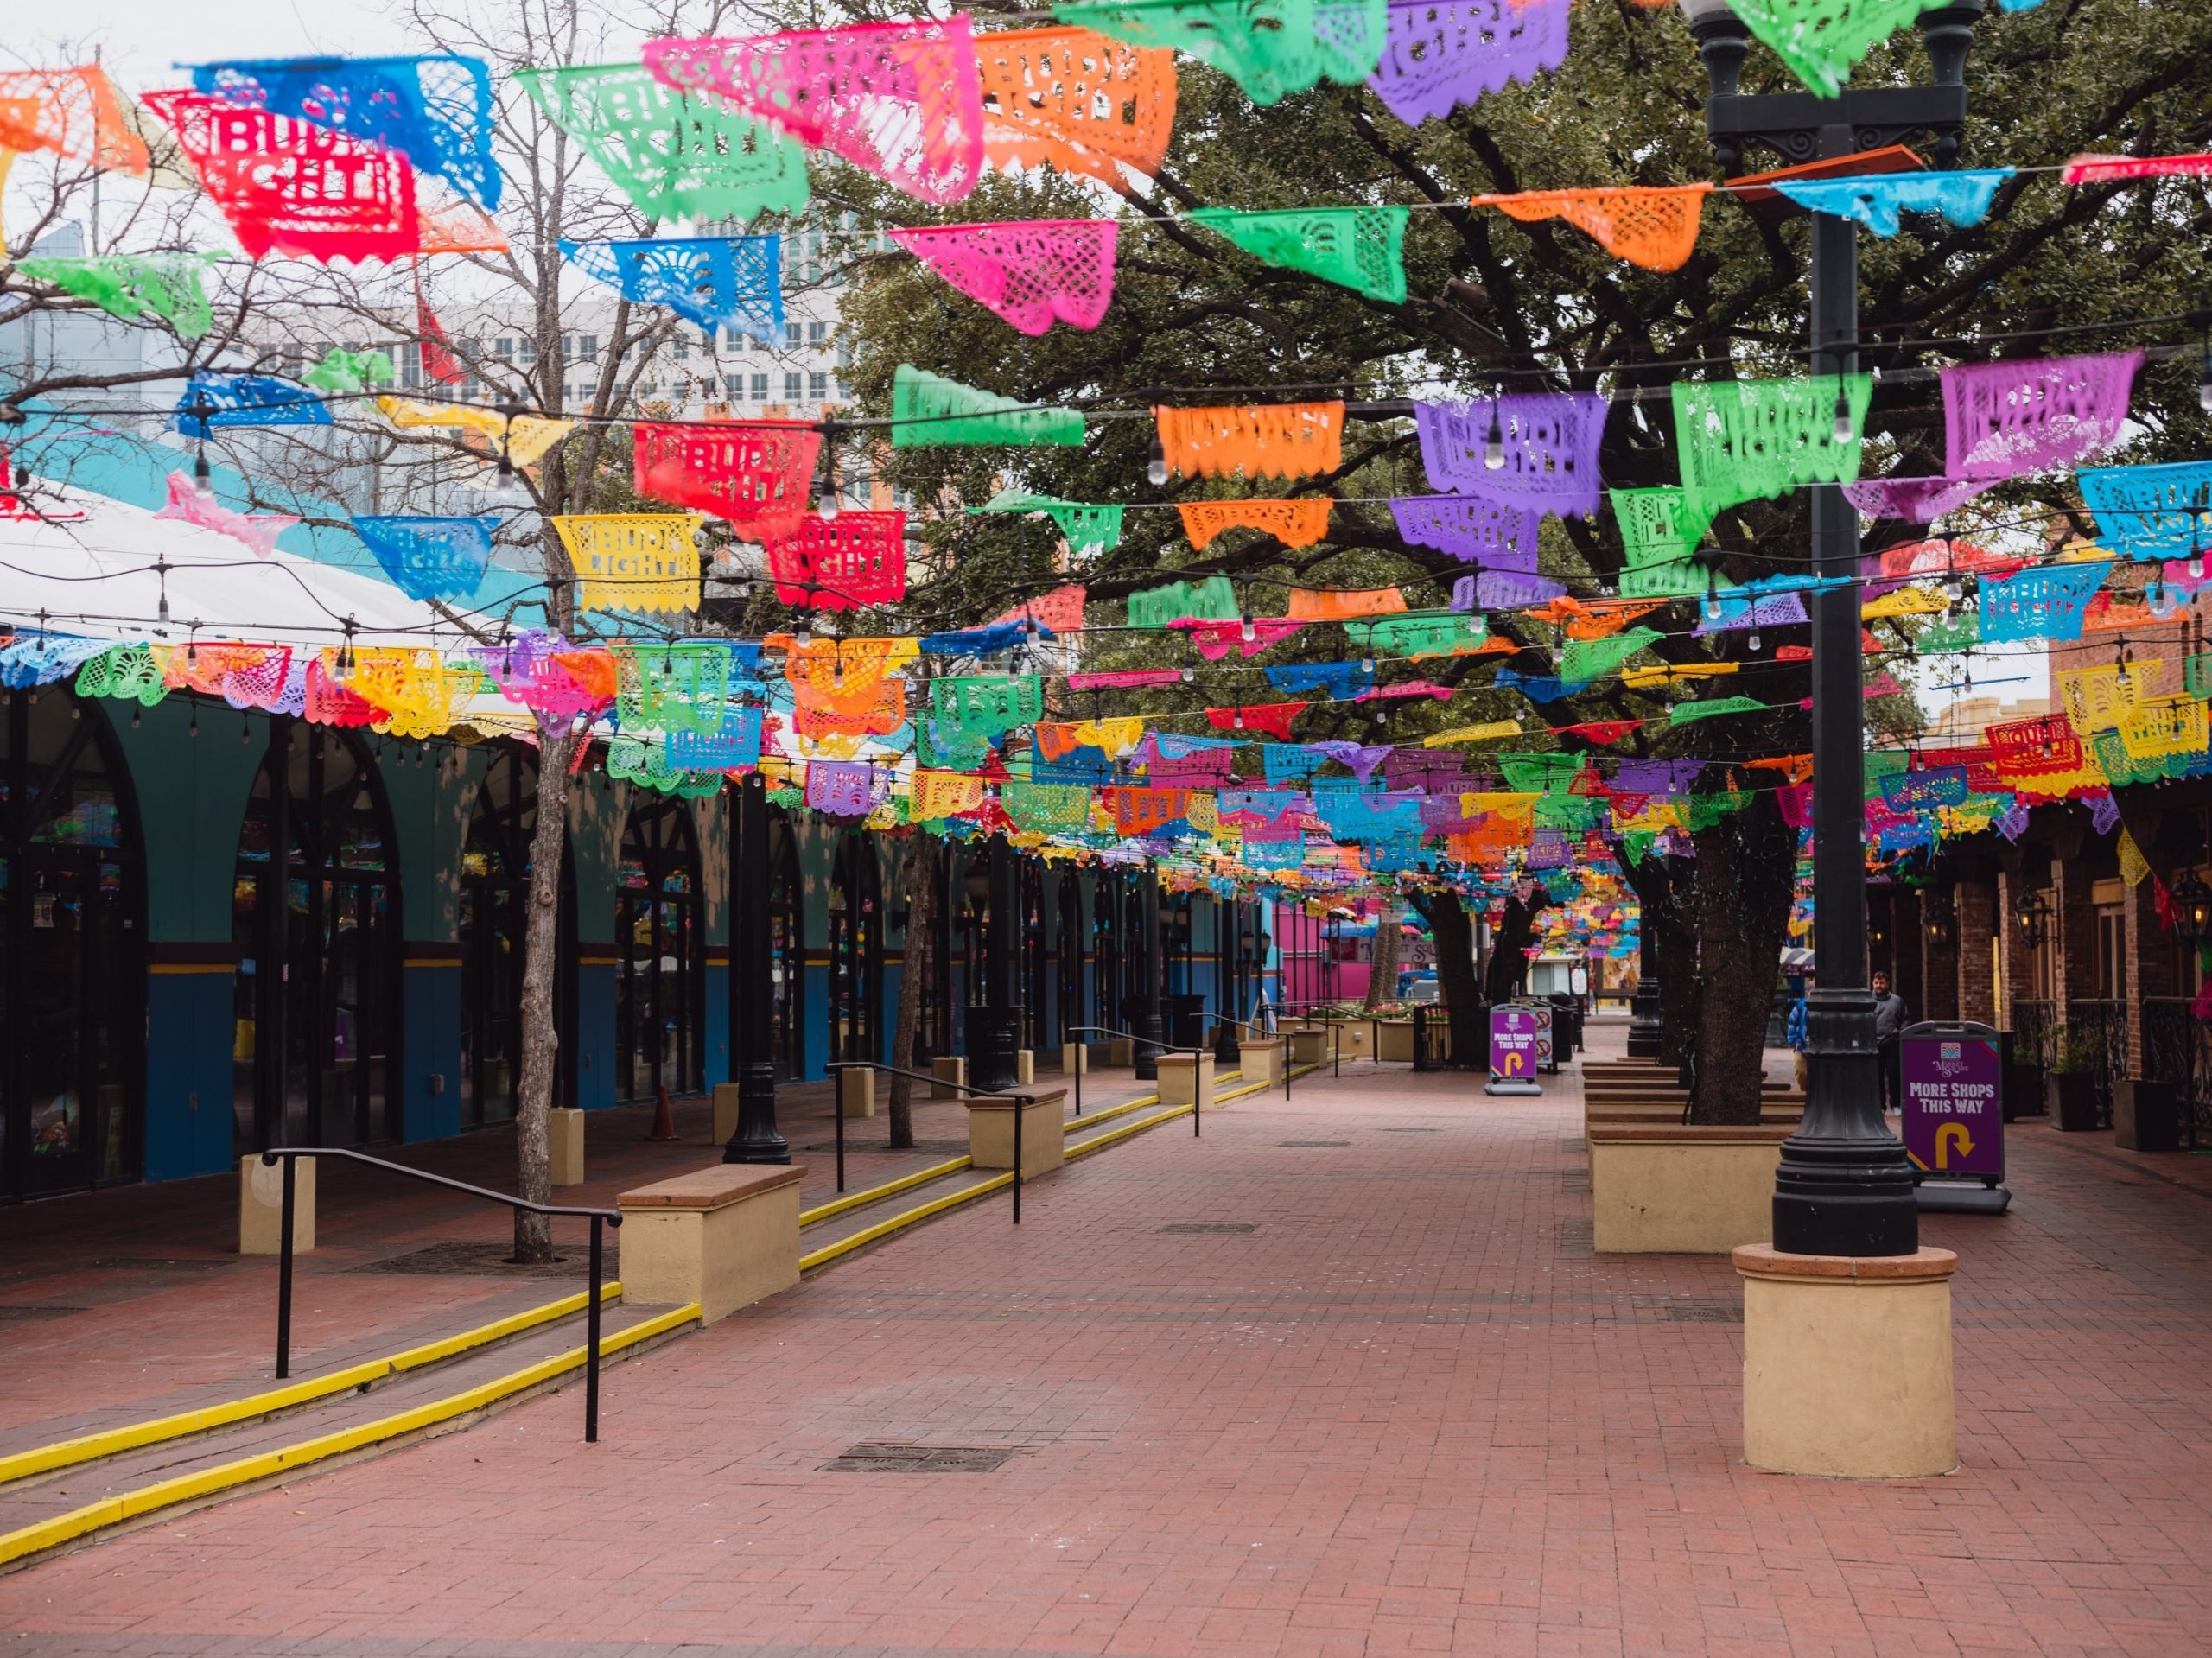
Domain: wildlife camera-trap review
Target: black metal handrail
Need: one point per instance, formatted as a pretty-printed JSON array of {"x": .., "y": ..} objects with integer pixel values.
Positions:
[
  {"x": 1022, "y": 1103},
  {"x": 1164, "y": 1047},
  {"x": 1336, "y": 1037},
  {"x": 599, "y": 1218}
]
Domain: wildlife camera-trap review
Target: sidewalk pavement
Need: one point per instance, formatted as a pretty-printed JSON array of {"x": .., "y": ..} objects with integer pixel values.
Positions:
[
  {"x": 134, "y": 1302},
  {"x": 1343, "y": 1376}
]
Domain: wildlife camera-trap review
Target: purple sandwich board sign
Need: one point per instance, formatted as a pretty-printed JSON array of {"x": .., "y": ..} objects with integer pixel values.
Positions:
[
  {"x": 1953, "y": 1104},
  {"x": 1519, "y": 1041}
]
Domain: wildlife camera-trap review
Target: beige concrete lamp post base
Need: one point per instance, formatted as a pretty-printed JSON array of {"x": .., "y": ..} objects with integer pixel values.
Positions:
[{"x": 1847, "y": 1364}]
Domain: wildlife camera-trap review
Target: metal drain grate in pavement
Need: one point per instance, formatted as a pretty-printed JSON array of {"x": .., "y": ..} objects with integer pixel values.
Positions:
[
  {"x": 1211, "y": 1226},
  {"x": 1702, "y": 1311},
  {"x": 1573, "y": 1180},
  {"x": 878, "y": 1459},
  {"x": 1313, "y": 1142},
  {"x": 1573, "y": 1144}
]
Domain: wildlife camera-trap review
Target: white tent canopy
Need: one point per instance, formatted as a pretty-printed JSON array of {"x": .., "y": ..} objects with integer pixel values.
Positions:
[{"x": 96, "y": 576}]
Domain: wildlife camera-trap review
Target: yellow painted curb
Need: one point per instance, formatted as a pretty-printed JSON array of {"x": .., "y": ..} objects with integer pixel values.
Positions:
[
  {"x": 884, "y": 1228},
  {"x": 905, "y": 1183},
  {"x": 91, "y": 1447},
  {"x": 130, "y": 1505},
  {"x": 1115, "y": 1136}
]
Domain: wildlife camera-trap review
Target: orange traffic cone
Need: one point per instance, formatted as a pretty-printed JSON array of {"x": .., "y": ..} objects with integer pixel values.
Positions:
[{"x": 663, "y": 1119}]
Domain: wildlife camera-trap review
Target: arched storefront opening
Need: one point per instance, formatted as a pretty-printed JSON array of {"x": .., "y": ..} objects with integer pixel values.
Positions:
[
  {"x": 786, "y": 949},
  {"x": 1106, "y": 951},
  {"x": 1030, "y": 919},
  {"x": 494, "y": 887},
  {"x": 315, "y": 1053},
  {"x": 1074, "y": 1007},
  {"x": 855, "y": 950},
  {"x": 660, "y": 983},
  {"x": 71, "y": 987}
]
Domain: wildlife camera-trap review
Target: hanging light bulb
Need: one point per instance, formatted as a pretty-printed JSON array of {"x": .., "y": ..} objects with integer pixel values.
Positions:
[
  {"x": 245, "y": 731},
  {"x": 1189, "y": 675},
  {"x": 837, "y": 670},
  {"x": 1713, "y": 608},
  {"x": 1843, "y": 432},
  {"x": 134, "y": 717},
  {"x": 1155, "y": 464},
  {"x": 1753, "y": 641},
  {"x": 203, "y": 477},
  {"x": 1238, "y": 719},
  {"x": 802, "y": 636},
  {"x": 193, "y": 730},
  {"x": 1494, "y": 444},
  {"x": 1374, "y": 716},
  {"x": 825, "y": 480},
  {"x": 1248, "y": 630}
]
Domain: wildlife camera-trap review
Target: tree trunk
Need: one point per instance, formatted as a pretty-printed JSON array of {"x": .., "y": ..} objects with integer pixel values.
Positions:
[
  {"x": 1508, "y": 958},
  {"x": 1666, "y": 897},
  {"x": 920, "y": 878},
  {"x": 541, "y": 1036},
  {"x": 1457, "y": 987},
  {"x": 1745, "y": 867},
  {"x": 1382, "y": 968}
]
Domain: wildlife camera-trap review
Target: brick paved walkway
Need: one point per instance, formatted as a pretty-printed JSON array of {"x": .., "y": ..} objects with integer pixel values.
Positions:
[
  {"x": 1409, "y": 1411},
  {"x": 119, "y": 1305}
]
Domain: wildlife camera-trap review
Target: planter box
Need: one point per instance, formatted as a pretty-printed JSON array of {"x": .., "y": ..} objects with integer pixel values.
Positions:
[
  {"x": 2023, "y": 1092},
  {"x": 1394, "y": 1042},
  {"x": 1668, "y": 1189},
  {"x": 2146, "y": 1117},
  {"x": 1307, "y": 1047},
  {"x": 2071, "y": 1098},
  {"x": 1355, "y": 1038}
]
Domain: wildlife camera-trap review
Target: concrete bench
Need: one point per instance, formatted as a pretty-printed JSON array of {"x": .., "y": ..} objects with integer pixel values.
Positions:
[
  {"x": 1044, "y": 1132},
  {"x": 1185, "y": 1078},
  {"x": 724, "y": 1236},
  {"x": 1664, "y": 1189},
  {"x": 1262, "y": 1060}
]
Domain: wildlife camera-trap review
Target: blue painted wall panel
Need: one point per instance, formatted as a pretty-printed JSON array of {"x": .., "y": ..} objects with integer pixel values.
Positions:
[
  {"x": 430, "y": 1038},
  {"x": 187, "y": 1074}
]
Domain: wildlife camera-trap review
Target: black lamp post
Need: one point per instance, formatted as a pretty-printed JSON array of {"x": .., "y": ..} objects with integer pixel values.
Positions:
[
  {"x": 1845, "y": 1186},
  {"x": 756, "y": 1139}
]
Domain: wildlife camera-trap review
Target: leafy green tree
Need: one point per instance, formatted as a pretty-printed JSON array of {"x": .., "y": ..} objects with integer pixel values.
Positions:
[{"x": 1493, "y": 305}]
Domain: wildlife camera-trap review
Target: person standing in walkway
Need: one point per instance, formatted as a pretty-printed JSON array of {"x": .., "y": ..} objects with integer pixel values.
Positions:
[{"x": 1888, "y": 1030}]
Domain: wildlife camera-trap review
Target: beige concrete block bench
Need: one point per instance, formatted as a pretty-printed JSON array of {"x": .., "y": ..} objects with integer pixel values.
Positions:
[
  {"x": 724, "y": 1236},
  {"x": 1665, "y": 1188},
  {"x": 1261, "y": 1060},
  {"x": 1044, "y": 1132},
  {"x": 1186, "y": 1078}
]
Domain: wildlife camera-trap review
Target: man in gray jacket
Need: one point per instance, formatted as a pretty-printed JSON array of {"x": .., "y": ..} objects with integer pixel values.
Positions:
[{"x": 1889, "y": 1019}]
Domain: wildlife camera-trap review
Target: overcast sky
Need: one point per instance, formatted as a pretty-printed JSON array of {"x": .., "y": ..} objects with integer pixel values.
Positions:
[{"x": 141, "y": 39}]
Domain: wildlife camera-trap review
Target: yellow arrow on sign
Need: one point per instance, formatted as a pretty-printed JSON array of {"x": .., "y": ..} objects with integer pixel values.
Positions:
[{"x": 1949, "y": 1135}]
